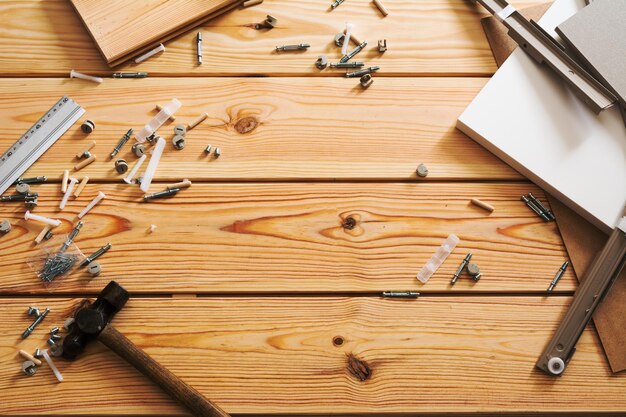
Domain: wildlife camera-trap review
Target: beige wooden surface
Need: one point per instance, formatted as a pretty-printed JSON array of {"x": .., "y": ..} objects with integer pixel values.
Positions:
[{"x": 253, "y": 271}]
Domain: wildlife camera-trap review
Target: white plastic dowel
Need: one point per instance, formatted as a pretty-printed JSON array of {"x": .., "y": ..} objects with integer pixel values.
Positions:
[
  {"x": 68, "y": 192},
  {"x": 133, "y": 172},
  {"x": 52, "y": 222},
  {"x": 91, "y": 205},
  {"x": 438, "y": 258},
  {"x": 76, "y": 74},
  {"x": 150, "y": 54},
  {"x": 152, "y": 165},
  {"x": 346, "y": 39},
  {"x": 166, "y": 112},
  {"x": 52, "y": 366}
]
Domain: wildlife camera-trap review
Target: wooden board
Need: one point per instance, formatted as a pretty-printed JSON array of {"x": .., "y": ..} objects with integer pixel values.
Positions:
[
  {"x": 123, "y": 30},
  {"x": 330, "y": 130},
  {"x": 426, "y": 37},
  {"x": 276, "y": 355},
  {"x": 270, "y": 237}
]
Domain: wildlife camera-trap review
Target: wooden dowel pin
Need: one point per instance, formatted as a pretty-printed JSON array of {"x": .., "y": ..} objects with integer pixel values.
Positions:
[
  {"x": 482, "y": 205},
  {"x": 66, "y": 177},
  {"x": 197, "y": 121},
  {"x": 81, "y": 186},
  {"x": 84, "y": 163},
  {"x": 381, "y": 7},
  {"x": 180, "y": 185}
]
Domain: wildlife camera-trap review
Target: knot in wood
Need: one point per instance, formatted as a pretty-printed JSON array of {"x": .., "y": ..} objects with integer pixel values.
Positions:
[
  {"x": 349, "y": 223},
  {"x": 245, "y": 125},
  {"x": 359, "y": 368}
]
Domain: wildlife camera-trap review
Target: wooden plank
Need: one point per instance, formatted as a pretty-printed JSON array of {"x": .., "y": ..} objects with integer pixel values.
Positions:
[
  {"x": 276, "y": 355},
  {"x": 295, "y": 238},
  {"x": 330, "y": 129},
  {"x": 426, "y": 37}
]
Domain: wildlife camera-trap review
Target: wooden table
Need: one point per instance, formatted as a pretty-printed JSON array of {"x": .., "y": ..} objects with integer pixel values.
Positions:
[{"x": 253, "y": 288}]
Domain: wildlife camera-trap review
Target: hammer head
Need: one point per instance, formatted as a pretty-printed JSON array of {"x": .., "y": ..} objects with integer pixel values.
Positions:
[{"x": 91, "y": 319}]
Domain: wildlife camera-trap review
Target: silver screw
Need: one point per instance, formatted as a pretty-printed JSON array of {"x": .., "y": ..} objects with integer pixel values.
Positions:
[
  {"x": 38, "y": 320},
  {"x": 217, "y": 152},
  {"x": 33, "y": 311},
  {"x": 38, "y": 354},
  {"x": 459, "y": 271}
]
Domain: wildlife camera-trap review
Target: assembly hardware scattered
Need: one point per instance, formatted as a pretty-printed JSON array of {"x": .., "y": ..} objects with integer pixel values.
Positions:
[
  {"x": 37, "y": 139},
  {"x": 534, "y": 208},
  {"x": 48, "y": 359},
  {"x": 540, "y": 206},
  {"x": 29, "y": 357},
  {"x": 133, "y": 172},
  {"x": 68, "y": 192},
  {"x": 172, "y": 118},
  {"x": 558, "y": 276},
  {"x": 474, "y": 271},
  {"x": 422, "y": 170},
  {"x": 461, "y": 268},
  {"x": 269, "y": 23},
  {"x": 178, "y": 142},
  {"x": 197, "y": 121},
  {"x": 81, "y": 186},
  {"x": 482, "y": 205},
  {"x": 76, "y": 74},
  {"x": 354, "y": 64},
  {"x": 94, "y": 269},
  {"x": 88, "y": 126},
  {"x": 29, "y": 368},
  {"x": 92, "y": 204},
  {"x": 121, "y": 166},
  {"x": 321, "y": 62},
  {"x": 183, "y": 184},
  {"x": 33, "y": 311},
  {"x": 366, "y": 80},
  {"x": 5, "y": 226},
  {"x": 362, "y": 72},
  {"x": 157, "y": 121},
  {"x": 95, "y": 255},
  {"x": 400, "y": 294},
  {"x": 381, "y": 7},
  {"x": 52, "y": 222},
  {"x": 298, "y": 47},
  {"x": 56, "y": 265},
  {"x": 84, "y": 163},
  {"x": 217, "y": 152},
  {"x": 130, "y": 75},
  {"x": 71, "y": 237},
  {"x": 438, "y": 258},
  {"x": 149, "y": 54},
  {"x": 121, "y": 143},
  {"x": 199, "y": 47},
  {"x": 32, "y": 180},
  {"x": 161, "y": 194},
  {"x": 352, "y": 53},
  {"x": 38, "y": 320},
  {"x": 382, "y": 46},
  {"x": 85, "y": 153},
  {"x": 336, "y": 3}
]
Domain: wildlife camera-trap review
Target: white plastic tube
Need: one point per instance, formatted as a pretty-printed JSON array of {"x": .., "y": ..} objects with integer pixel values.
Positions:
[
  {"x": 346, "y": 39},
  {"x": 76, "y": 74},
  {"x": 438, "y": 258},
  {"x": 91, "y": 205},
  {"x": 133, "y": 172},
  {"x": 68, "y": 192},
  {"x": 146, "y": 180},
  {"x": 52, "y": 222},
  {"x": 166, "y": 112},
  {"x": 149, "y": 54},
  {"x": 52, "y": 366}
]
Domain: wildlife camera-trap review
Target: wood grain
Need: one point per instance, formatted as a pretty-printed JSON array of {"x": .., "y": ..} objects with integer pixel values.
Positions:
[
  {"x": 330, "y": 129},
  {"x": 426, "y": 37},
  {"x": 295, "y": 238},
  {"x": 276, "y": 355}
]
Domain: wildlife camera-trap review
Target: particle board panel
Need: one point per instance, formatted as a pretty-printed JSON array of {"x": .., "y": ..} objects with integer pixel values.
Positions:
[
  {"x": 122, "y": 29},
  {"x": 427, "y": 37},
  {"x": 276, "y": 356},
  {"x": 330, "y": 130},
  {"x": 295, "y": 238}
]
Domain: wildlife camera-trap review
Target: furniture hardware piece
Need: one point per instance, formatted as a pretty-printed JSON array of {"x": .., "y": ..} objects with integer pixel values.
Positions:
[
  {"x": 133, "y": 172},
  {"x": 81, "y": 186},
  {"x": 85, "y": 153},
  {"x": 85, "y": 162},
  {"x": 346, "y": 40},
  {"x": 362, "y": 72},
  {"x": 71, "y": 236},
  {"x": 438, "y": 258},
  {"x": 38, "y": 320},
  {"x": 51, "y": 341},
  {"x": 88, "y": 126},
  {"x": 56, "y": 337},
  {"x": 269, "y": 23},
  {"x": 354, "y": 64},
  {"x": 48, "y": 235},
  {"x": 381, "y": 8},
  {"x": 339, "y": 38},
  {"x": 31, "y": 203},
  {"x": 353, "y": 38},
  {"x": 352, "y": 53},
  {"x": 54, "y": 330},
  {"x": 33, "y": 311},
  {"x": 94, "y": 269},
  {"x": 400, "y": 294},
  {"x": 321, "y": 62},
  {"x": 64, "y": 180},
  {"x": 55, "y": 370},
  {"x": 18, "y": 197},
  {"x": 172, "y": 118},
  {"x": 42, "y": 234},
  {"x": 95, "y": 255},
  {"x": 207, "y": 150},
  {"x": 178, "y": 142},
  {"x": 382, "y": 46},
  {"x": 37, "y": 139},
  {"x": 540, "y": 206},
  {"x": 557, "y": 277},
  {"x": 336, "y": 3},
  {"x": 92, "y": 204},
  {"x": 217, "y": 152},
  {"x": 197, "y": 121},
  {"x": 161, "y": 194},
  {"x": 298, "y": 47},
  {"x": 69, "y": 190},
  {"x": 5, "y": 227},
  {"x": 534, "y": 208},
  {"x": 482, "y": 205},
  {"x": 460, "y": 269},
  {"x": 183, "y": 184},
  {"x": 130, "y": 75},
  {"x": 22, "y": 188},
  {"x": 138, "y": 149},
  {"x": 157, "y": 121},
  {"x": 366, "y": 80},
  {"x": 121, "y": 166},
  {"x": 32, "y": 180},
  {"x": 29, "y": 368},
  {"x": 76, "y": 74},
  {"x": 121, "y": 143},
  {"x": 474, "y": 271},
  {"x": 150, "y": 54},
  {"x": 199, "y": 47},
  {"x": 29, "y": 357},
  {"x": 37, "y": 353},
  {"x": 422, "y": 170}
]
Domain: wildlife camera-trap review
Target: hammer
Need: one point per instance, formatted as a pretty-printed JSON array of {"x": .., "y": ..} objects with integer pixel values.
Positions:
[{"x": 92, "y": 322}]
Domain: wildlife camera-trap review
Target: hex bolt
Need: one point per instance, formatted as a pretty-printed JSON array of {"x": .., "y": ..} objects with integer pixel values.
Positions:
[
  {"x": 29, "y": 368},
  {"x": 121, "y": 143},
  {"x": 178, "y": 141},
  {"x": 94, "y": 269},
  {"x": 95, "y": 255},
  {"x": 121, "y": 166},
  {"x": 541, "y": 206},
  {"x": 38, "y": 320},
  {"x": 88, "y": 126},
  {"x": 139, "y": 149},
  {"x": 5, "y": 226},
  {"x": 459, "y": 271},
  {"x": 422, "y": 170}
]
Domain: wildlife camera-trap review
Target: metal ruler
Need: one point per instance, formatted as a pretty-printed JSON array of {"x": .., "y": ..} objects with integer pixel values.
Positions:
[{"x": 37, "y": 139}]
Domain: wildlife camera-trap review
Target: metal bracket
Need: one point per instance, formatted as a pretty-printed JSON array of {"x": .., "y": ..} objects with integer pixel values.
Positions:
[{"x": 541, "y": 47}]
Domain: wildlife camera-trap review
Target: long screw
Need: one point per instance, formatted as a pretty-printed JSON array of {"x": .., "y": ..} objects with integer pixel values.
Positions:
[
  {"x": 299, "y": 47},
  {"x": 557, "y": 277},
  {"x": 540, "y": 206},
  {"x": 19, "y": 197},
  {"x": 351, "y": 54},
  {"x": 33, "y": 180},
  {"x": 534, "y": 208},
  {"x": 121, "y": 143},
  {"x": 400, "y": 294},
  {"x": 71, "y": 237},
  {"x": 38, "y": 320},
  {"x": 459, "y": 271},
  {"x": 130, "y": 75},
  {"x": 95, "y": 255},
  {"x": 354, "y": 64},
  {"x": 361, "y": 72},
  {"x": 161, "y": 194}
]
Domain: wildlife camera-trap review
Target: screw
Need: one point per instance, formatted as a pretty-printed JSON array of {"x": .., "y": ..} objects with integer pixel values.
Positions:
[
  {"x": 366, "y": 80},
  {"x": 88, "y": 126},
  {"x": 29, "y": 368},
  {"x": 139, "y": 149},
  {"x": 534, "y": 208},
  {"x": 354, "y": 64},
  {"x": 95, "y": 255},
  {"x": 362, "y": 72},
  {"x": 38, "y": 320},
  {"x": 121, "y": 143},
  {"x": 217, "y": 152},
  {"x": 33, "y": 310},
  {"x": 540, "y": 206},
  {"x": 352, "y": 53},
  {"x": 400, "y": 294},
  {"x": 54, "y": 330},
  {"x": 557, "y": 277},
  {"x": 37, "y": 353},
  {"x": 130, "y": 75},
  {"x": 459, "y": 271},
  {"x": 33, "y": 180},
  {"x": 298, "y": 47},
  {"x": 161, "y": 194}
]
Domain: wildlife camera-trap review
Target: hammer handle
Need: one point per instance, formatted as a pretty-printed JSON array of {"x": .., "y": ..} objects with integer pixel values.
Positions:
[{"x": 169, "y": 382}]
